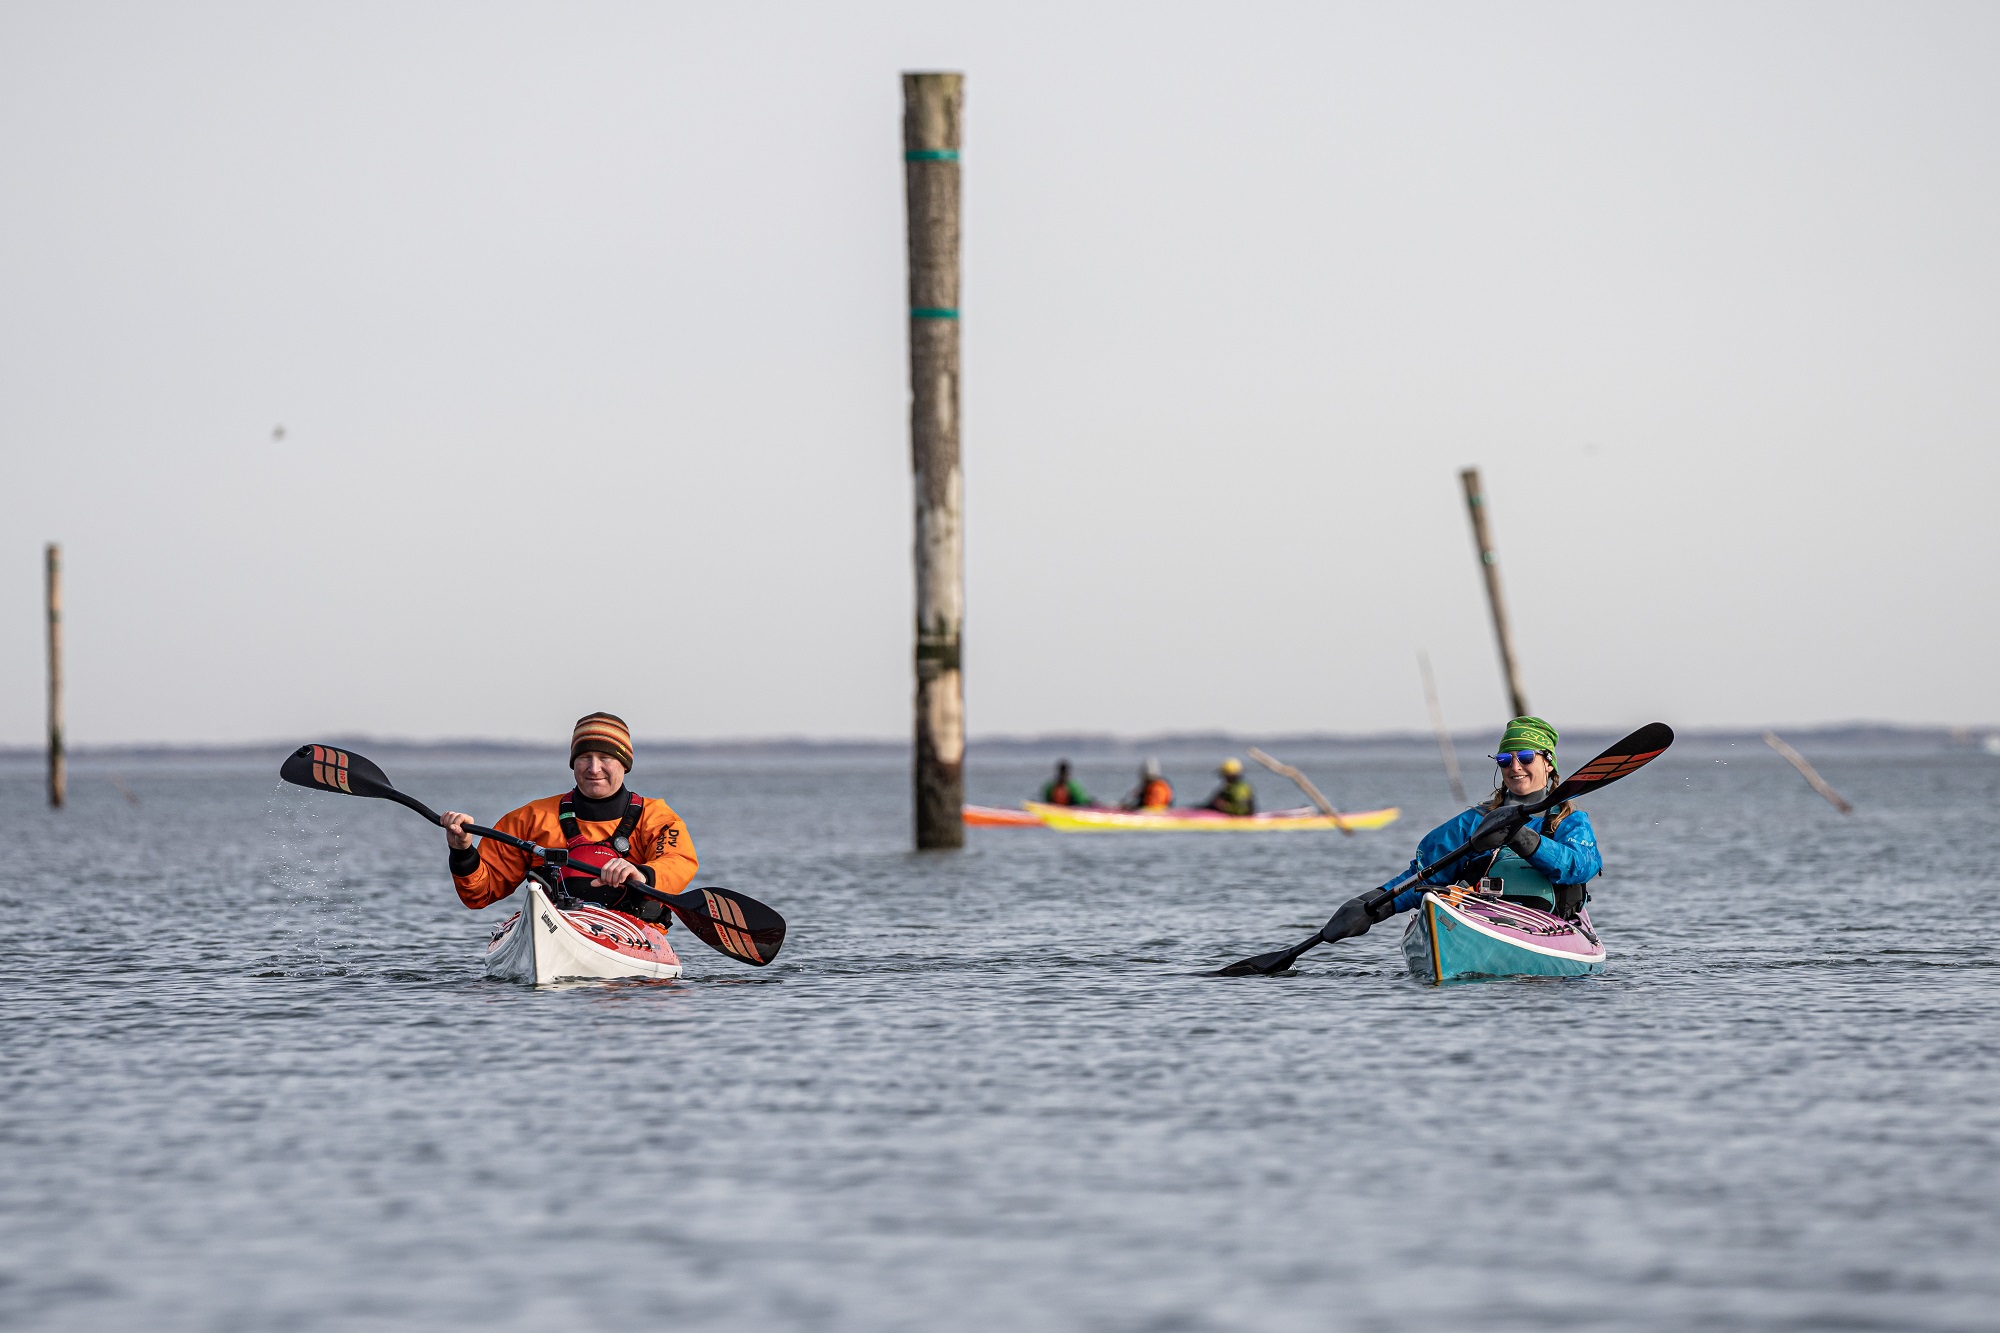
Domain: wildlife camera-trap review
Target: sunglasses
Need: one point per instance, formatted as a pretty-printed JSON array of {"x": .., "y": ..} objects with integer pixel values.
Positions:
[{"x": 1509, "y": 758}]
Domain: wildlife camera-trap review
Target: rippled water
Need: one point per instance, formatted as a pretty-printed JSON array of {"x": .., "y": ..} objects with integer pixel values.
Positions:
[{"x": 253, "y": 1078}]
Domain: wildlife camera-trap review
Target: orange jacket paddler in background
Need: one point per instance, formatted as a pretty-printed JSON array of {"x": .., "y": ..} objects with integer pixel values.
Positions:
[{"x": 614, "y": 836}]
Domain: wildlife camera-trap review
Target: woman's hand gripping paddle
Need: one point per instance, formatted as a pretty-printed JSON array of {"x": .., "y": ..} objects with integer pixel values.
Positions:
[
  {"x": 1626, "y": 757},
  {"x": 726, "y": 921}
]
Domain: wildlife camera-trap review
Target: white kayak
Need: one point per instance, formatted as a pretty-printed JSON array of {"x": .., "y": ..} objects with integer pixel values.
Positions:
[{"x": 542, "y": 943}]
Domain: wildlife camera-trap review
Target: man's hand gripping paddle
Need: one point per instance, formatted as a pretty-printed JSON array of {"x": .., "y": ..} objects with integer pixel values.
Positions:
[
  {"x": 727, "y": 922},
  {"x": 1626, "y": 757}
]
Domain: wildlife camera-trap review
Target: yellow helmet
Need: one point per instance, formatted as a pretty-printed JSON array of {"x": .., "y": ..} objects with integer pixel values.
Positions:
[{"x": 1232, "y": 768}]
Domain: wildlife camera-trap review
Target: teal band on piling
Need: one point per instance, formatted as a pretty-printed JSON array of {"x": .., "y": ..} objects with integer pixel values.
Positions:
[
  {"x": 931, "y": 155},
  {"x": 932, "y": 312}
]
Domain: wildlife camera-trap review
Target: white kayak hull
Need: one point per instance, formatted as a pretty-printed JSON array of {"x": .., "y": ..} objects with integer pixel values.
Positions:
[{"x": 543, "y": 944}]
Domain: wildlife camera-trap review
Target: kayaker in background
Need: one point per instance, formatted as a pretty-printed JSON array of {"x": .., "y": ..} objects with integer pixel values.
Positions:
[
  {"x": 1544, "y": 861},
  {"x": 1154, "y": 792},
  {"x": 1234, "y": 796},
  {"x": 615, "y": 837},
  {"x": 1063, "y": 789}
]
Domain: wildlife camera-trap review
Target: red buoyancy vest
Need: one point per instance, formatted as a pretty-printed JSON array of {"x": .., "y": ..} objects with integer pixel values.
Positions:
[{"x": 586, "y": 858}]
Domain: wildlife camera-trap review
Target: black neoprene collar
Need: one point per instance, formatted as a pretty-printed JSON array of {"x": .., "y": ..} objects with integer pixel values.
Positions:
[{"x": 611, "y": 808}]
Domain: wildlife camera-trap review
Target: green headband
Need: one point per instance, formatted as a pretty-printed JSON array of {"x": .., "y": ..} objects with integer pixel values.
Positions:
[{"x": 1528, "y": 733}]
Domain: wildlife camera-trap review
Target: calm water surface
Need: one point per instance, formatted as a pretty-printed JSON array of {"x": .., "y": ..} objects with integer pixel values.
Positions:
[{"x": 253, "y": 1077}]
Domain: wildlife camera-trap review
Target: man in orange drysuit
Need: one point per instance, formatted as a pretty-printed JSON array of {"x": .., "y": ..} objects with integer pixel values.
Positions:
[{"x": 615, "y": 837}]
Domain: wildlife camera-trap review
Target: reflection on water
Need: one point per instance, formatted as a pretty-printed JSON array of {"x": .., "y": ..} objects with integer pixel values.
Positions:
[{"x": 254, "y": 1079}]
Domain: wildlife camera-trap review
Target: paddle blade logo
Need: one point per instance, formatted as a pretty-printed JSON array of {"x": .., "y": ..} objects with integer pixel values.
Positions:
[
  {"x": 1642, "y": 747},
  {"x": 729, "y": 928},
  {"x": 741, "y": 927},
  {"x": 329, "y": 768},
  {"x": 1609, "y": 767},
  {"x": 321, "y": 766}
]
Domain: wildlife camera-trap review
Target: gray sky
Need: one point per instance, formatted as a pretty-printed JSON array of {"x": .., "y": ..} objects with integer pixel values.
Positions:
[{"x": 585, "y": 326}]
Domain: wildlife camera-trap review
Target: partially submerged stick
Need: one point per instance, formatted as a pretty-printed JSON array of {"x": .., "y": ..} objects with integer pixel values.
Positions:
[
  {"x": 1445, "y": 747},
  {"x": 1305, "y": 785},
  {"x": 1798, "y": 761}
]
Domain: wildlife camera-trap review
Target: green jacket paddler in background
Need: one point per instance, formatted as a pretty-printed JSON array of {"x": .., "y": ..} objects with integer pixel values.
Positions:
[{"x": 1062, "y": 789}]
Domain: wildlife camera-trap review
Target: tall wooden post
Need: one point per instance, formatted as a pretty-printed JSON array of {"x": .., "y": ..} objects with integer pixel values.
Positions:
[
  {"x": 932, "y": 108},
  {"x": 58, "y": 765},
  {"x": 1489, "y": 563}
]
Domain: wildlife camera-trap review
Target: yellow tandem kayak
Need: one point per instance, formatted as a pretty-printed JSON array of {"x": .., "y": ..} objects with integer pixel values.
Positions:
[{"x": 1089, "y": 819}]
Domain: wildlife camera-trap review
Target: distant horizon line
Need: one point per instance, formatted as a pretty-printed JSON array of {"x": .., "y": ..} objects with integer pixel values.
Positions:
[{"x": 1079, "y": 740}]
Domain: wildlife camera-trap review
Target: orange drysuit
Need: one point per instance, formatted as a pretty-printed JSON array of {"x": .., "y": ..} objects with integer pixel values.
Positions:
[{"x": 660, "y": 845}]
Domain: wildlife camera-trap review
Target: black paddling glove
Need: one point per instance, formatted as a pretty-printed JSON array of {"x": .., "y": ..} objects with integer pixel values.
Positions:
[
  {"x": 1357, "y": 914},
  {"x": 1501, "y": 824},
  {"x": 1523, "y": 844}
]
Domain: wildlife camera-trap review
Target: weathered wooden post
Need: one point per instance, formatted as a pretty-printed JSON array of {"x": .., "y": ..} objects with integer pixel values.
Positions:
[
  {"x": 932, "y": 110},
  {"x": 1489, "y": 562},
  {"x": 58, "y": 767}
]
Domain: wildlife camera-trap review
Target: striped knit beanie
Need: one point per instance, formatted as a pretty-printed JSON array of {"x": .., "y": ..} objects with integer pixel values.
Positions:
[{"x": 605, "y": 733}]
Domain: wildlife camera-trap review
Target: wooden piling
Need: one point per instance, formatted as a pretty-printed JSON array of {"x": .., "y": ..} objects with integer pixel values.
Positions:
[
  {"x": 1445, "y": 747},
  {"x": 58, "y": 762},
  {"x": 932, "y": 108},
  {"x": 1489, "y": 564}
]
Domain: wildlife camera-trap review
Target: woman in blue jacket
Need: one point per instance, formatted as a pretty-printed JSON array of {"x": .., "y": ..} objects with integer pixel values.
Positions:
[{"x": 1544, "y": 861}]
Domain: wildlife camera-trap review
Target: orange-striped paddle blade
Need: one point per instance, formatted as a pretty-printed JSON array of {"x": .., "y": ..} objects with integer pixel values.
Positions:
[
  {"x": 1628, "y": 756},
  {"x": 330, "y": 768},
  {"x": 732, "y": 923}
]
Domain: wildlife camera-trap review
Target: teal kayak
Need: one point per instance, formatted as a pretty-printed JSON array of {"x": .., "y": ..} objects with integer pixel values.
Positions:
[{"x": 1457, "y": 933}]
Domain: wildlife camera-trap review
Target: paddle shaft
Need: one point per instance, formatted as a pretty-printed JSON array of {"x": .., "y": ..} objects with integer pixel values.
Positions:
[
  {"x": 548, "y": 855},
  {"x": 1568, "y": 789},
  {"x": 636, "y": 883},
  {"x": 1303, "y": 947},
  {"x": 556, "y": 856}
]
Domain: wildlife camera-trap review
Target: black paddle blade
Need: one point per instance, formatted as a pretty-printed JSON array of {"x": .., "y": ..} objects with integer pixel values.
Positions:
[
  {"x": 324, "y": 768},
  {"x": 1628, "y": 756},
  {"x": 1267, "y": 964},
  {"x": 732, "y": 923}
]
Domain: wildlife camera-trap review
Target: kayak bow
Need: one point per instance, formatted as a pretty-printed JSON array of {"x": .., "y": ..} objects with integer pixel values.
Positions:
[{"x": 542, "y": 943}]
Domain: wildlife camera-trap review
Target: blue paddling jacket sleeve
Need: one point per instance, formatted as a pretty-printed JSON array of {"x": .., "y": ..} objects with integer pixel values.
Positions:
[{"x": 1567, "y": 856}]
